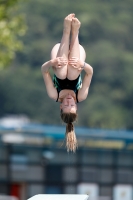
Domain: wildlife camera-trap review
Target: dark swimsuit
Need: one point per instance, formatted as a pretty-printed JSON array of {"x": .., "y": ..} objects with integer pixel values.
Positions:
[{"x": 74, "y": 85}]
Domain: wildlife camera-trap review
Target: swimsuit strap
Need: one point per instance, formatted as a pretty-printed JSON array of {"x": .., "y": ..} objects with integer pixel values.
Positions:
[
  {"x": 77, "y": 96},
  {"x": 57, "y": 96}
]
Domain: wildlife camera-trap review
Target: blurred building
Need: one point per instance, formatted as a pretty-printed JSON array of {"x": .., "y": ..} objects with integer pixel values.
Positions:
[{"x": 34, "y": 160}]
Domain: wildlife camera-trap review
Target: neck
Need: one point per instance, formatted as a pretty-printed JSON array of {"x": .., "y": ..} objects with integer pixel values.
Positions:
[{"x": 63, "y": 93}]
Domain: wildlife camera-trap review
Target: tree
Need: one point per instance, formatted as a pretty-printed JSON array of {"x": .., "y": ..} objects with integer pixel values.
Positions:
[{"x": 12, "y": 27}]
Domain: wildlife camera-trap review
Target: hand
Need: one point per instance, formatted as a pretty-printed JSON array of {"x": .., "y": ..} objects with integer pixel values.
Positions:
[
  {"x": 59, "y": 62},
  {"x": 76, "y": 63}
]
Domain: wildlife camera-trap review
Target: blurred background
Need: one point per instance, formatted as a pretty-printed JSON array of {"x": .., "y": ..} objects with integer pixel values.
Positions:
[{"x": 33, "y": 157}]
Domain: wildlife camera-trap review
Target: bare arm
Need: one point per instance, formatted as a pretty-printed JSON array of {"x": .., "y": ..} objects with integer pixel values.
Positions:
[
  {"x": 83, "y": 92},
  {"x": 81, "y": 65},
  {"x": 56, "y": 63},
  {"x": 51, "y": 90}
]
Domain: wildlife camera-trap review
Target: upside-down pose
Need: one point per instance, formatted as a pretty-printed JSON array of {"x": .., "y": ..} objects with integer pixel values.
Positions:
[{"x": 67, "y": 88}]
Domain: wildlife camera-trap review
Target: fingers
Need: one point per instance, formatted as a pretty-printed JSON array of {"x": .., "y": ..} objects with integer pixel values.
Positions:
[
  {"x": 74, "y": 62},
  {"x": 61, "y": 62},
  {"x": 74, "y": 58}
]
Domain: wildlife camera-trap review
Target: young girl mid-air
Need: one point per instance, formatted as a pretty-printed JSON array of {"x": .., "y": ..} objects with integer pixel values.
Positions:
[{"x": 67, "y": 88}]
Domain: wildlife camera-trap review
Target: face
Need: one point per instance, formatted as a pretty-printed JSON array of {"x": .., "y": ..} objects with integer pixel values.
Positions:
[{"x": 68, "y": 104}]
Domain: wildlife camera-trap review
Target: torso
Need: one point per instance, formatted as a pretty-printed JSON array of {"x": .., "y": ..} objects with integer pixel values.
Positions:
[{"x": 66, "y": 86}]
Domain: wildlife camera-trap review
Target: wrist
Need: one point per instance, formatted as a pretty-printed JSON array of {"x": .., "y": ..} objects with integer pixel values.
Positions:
[{"x": 83, "y": 65}]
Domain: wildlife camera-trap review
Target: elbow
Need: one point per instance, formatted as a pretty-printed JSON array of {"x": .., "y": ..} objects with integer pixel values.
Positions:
[
  {"x": 51, "y": 95},
  {"x": 91, "y": 70},
  {"x": 82, "y": 99},
  {"x": 42, "y": 68}
]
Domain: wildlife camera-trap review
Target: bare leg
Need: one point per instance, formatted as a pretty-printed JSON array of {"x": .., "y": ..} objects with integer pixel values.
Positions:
[
  {"x": 76, "y": 50},
  {"x": 62, "y": 49},
  {"x": 74, "y": 45},
  {"x": 82, "y": 53}
]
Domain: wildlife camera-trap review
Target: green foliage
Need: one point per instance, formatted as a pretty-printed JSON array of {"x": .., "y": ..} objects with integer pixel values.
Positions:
[
  {"x": 11, "y": 27},
  {"x": 106, "y": 34}
]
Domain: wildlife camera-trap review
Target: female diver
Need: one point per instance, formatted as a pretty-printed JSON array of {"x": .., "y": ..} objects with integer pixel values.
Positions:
[{"x": 67, "y": 88}]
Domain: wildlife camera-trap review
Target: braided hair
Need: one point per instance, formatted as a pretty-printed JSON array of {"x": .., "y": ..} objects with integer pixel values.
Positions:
[{"x": 71, "y": 141}]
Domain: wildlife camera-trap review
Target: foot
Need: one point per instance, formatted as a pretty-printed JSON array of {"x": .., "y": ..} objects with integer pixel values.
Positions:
[
  {"x": 67, "y": 22},
  {"x": 75, "y": 25}
]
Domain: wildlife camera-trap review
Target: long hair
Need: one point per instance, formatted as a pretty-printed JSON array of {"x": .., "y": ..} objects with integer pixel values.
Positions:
[{"x": 71, "y": 141}]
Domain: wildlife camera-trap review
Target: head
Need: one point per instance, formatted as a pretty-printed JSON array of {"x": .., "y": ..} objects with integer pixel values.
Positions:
[
  {"x": 68, "y": 109},
  {"x": 69, "y": 115},
  {"x": 68, "y": 104}
]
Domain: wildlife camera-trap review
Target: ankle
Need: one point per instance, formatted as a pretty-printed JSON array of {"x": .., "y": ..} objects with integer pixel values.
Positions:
[
  {"x": 66, "y": 31},
  {"x": 75, "y": 32}
]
